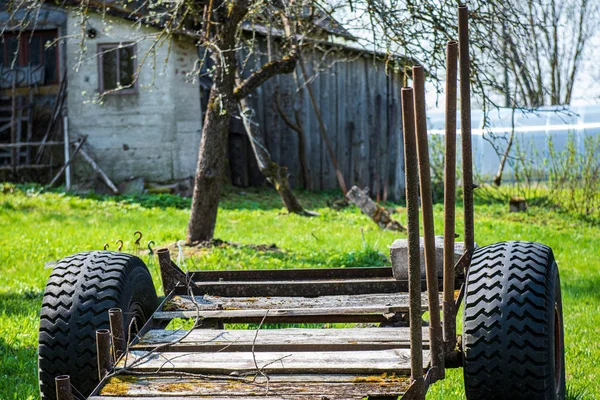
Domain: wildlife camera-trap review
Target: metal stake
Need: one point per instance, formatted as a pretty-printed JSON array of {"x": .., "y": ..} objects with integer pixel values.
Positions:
[
  {"x": 449, "y": 197},
  {"x": 105, "y": 362},
  {"x": 465, "y": 125},
  {"x": 117, "y": 330},
  {"x": 412, "y": 227},
  {"x": 435, "y": 325},
  {"x": 63, "y": 387}
]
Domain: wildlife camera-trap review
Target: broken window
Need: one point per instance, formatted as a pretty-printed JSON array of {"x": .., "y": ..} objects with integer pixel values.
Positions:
[{"x": 117, "y": 68}]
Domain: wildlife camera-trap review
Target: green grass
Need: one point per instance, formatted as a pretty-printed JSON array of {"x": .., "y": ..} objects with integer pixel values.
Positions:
[{"x": 37, "y": 228}]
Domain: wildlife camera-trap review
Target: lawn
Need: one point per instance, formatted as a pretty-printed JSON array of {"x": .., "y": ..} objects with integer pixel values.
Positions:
[{"x": 36, "y": 228}]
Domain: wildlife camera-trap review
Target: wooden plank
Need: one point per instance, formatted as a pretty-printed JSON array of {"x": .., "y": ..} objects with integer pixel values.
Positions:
[
  {"x": 382, "y": 115},
  {"x": 395, "y": 140},
  {"x": 363, "y": 122},
  {"x": 367, "y": 308},
  {"x": 289, "y": 138},
  {"x": 371, "y": 128},
  {"x": 292, "y": 274},
  {"x": 314, "y": 156},
  {"x": 400, "y": 182},
  {"x": 271, "y": 119},
  {"x": 315, "y": 315},
  {"x": 340, "y": 120},
  {"x": 397, "y": 301},
  {"x": 380, "y": 130},
  {"x": 27, "y": 167},
  {"x": 29, "y": 144},
  {"x": 302, "y": 288},
  {"x": 289, "y": 339},
  {"x": 356, "y": 109},
  {"x": 324, "y": 103},
  {"x": 99, "y": 170},
  {"x": 332, "y": 362},
  {"x": 278, "y": 387}
]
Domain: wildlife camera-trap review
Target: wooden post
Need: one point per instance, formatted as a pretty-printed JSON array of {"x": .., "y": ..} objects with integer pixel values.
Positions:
[
  {"x": 435, "y": 327},
  {"x": 13, "y": 127}
]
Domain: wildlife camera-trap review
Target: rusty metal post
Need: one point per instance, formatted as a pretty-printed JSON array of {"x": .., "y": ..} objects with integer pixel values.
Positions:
[
  {"x": 465, "y": 125},
  {"x": 412, "y": 227},
  {"x": 103, "y": 353},
  {"x": 117, "y": 329},
  {"x": 450, "y": 197},
  {"x": 435, "y": 324},
  {"x": 170, "y": 273},
  {"x": 63, "y": 387}
]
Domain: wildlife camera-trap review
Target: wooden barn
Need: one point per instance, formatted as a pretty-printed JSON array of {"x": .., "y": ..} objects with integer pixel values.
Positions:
[
  {"x": 359, "y": 103},
  {"x": 153, "y": 130}
]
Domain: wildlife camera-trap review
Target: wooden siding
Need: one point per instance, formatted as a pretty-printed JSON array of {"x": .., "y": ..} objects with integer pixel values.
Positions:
[{"x": 360, "y": 104}]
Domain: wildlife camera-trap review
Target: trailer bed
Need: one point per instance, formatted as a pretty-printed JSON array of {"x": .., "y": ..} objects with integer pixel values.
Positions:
[{"x": 360, "y": 347}]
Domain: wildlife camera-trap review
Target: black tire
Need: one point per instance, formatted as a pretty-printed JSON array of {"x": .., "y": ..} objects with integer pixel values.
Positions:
[
  {"x": 79, "y": 293},
  {"x": 513, "y": 339}
]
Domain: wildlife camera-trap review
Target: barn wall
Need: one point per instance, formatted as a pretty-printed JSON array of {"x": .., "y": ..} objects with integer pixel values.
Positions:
[
  {"x": 360, "y": 105},
  {"x": 153, "y": 133}
]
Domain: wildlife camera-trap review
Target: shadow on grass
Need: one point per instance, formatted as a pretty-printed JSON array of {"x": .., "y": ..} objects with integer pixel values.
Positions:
[
  {"x": 582, "y": 288},
  {"x": 232, "y": 198},
  {"x": 21, "y": 303}
]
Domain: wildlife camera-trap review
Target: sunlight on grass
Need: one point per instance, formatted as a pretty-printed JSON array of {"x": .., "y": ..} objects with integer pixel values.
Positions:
[{"x": 38, "y": 228}]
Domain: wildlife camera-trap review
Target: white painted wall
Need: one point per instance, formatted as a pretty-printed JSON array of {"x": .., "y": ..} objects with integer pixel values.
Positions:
[{"x": 154, "y": 133}]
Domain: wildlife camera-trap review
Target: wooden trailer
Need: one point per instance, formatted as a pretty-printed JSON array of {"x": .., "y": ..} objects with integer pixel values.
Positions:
[{"x": 375, "y": 343}]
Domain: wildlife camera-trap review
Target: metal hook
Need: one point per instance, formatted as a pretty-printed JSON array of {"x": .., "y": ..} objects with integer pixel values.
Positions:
[
  {"x": 106, "y": 246},
  {"x": 150, "y": 243},
  {"x": 120, "y": 243},
  {"x": 137, "y": 242}
]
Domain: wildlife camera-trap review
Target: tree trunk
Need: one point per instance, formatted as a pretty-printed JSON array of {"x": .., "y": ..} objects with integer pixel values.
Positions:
[
  {"x": 276, "y": 175},
  {"x": 209, "y": 172}
]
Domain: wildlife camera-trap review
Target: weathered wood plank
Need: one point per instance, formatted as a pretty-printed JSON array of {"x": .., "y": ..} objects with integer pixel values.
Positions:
[
  {"x": 300, "y": 288},
  {"x": 381, "y": 130},
  {"x": 355, "y": 314},
  {"x": 356, "y": 308},
  {"x": 289, "y": 138},
  {"x": 223, "y": 363},
  {"x": 396, "y": 301},
  {"x": 294, "y": 387},
  {"x": 292, "y": 274},
  {"x": 372, "y": 126},
  {"x": 316, "y": 141},
  {"x": 343, "y": 148},
  {"x": 396, "y": 143},
  {"x": 290, "y": 339}
]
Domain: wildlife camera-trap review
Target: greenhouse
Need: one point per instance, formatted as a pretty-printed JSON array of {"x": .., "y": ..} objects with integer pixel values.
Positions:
[{"x": 534, "y": 132}]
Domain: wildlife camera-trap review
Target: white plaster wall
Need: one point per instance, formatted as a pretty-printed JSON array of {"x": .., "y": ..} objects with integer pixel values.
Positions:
[{"x": 153, "y": 133}]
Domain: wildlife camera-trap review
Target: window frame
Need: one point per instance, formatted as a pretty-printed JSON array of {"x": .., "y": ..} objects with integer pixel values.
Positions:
[{"x": 101, "y": 49}]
